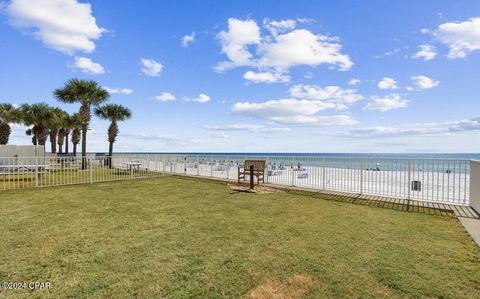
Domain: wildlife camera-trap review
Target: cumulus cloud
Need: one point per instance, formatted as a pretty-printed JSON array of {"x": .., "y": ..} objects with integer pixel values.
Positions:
[
  {"x": 118, "y": 90},
  {"x": 292, "y": 111},
  {"x": 165, "y": 97},
  {"x": 235, "y": 40},
  {"x": 424, "y": 82},
  {"x": 247, "y": 127},
  {"x": 63, "y": 25},
  {"x": 439, "y": 128},
  {"x": 276, "y": 27},
  {"x": 87, "y": 66},
  {"x": 188, "y": 39},
  {"x": 303, "y": 105},
  {"x": 151, "y": 67},
  {"x": 385, "y": 103},
  {"x": 461, "y": 37},
  {"x": 426, "y": 52},
  {"x": 201, "y": 98},
  {"x": 332, "y": 94},
  {"x": 266, "y": 77},
  {"x": 387, "y": 83},
  {"x": 283, "y": 48},
  {"x": 353, "y": 82}
]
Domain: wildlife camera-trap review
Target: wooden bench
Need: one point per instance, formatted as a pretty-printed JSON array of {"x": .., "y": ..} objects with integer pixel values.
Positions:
[{"x": 258, "y": 170}]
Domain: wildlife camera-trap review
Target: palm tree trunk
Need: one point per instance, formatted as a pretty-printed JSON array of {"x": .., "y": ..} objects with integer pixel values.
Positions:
[
  {"x": 74, "y": 149},
  {"x": 84, "y": 147},
  {"x": 66, "y": 143},
  {"x": 53, "y": 140},
  {"x": 110, "y": 153}
]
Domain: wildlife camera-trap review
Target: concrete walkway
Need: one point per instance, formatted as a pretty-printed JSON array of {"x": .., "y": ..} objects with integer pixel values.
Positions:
[{"x": 472, "y": 226}]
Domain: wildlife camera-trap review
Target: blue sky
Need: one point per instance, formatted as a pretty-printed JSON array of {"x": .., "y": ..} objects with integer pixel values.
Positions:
[{"x": 257, "y": 76}]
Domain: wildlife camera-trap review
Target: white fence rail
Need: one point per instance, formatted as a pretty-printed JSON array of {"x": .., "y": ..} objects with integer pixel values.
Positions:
[
  {"x": 28, "y": 172},
  {"x": 434, "y": 180}
]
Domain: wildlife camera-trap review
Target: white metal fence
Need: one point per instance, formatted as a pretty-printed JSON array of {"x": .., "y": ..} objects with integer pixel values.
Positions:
[{"x": 434, "y": 180}]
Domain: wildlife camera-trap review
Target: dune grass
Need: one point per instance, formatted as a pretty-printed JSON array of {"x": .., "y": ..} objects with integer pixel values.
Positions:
[{"x": 181, "y": 237}]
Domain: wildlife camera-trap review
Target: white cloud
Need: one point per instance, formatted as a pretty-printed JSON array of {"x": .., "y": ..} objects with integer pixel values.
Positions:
[
  {"x": 332, "y": 94},
  {"x": 387, "y": 83},
  {"x": 385, "y": 103},
  {"x": 441, "y": 128},
  {"x": 247, "y": 127},
  {"x": 188, "y": 39},
  {"x": 118, "y": 90},
  {"x": 292, "y": 111},
  {"x": 278, "y": 51},
  {"x": 165, "y": 97},
  {"x": 86, "y": 65},
  {"x": 202, "y": 98},
  {"x": 353, "y": 82},
  {"x": 426, "y": 52},
  {"x": 235, "y": 40},
  {"x": 281, "y": 26},
  {"x": 266, "y": 77},
  {"x": 424, "y": 82},
  {"x": 302, "y": 47},
  {"x": 461, "y": 38},
  {"x": 151, "y": 67},
  {"x": 63, "y": 25},
  {"x": 219, "y": 135}
]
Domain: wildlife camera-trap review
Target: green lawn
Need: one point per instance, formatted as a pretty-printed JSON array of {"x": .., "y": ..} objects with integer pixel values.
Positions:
[{"x": 178, "y": 237}]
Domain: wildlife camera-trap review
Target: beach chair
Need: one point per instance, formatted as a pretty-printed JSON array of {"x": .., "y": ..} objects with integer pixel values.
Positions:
[{"x": 258, "y": 170}]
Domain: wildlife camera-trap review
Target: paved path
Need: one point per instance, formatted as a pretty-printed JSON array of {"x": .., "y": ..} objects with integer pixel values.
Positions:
[{"x": 473, "y": 227}]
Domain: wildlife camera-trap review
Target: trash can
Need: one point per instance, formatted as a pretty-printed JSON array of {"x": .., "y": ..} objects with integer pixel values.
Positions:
[{"x": 416, "y": 186}]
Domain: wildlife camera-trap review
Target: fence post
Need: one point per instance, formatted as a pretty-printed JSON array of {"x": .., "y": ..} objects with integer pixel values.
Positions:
[
  {"x": 324, "y": 175},
  {"x": 185, "y": 165},
  {"x": 36, "y": 170},
  {"x": 198, "y": 165},
  {"x": 228, "y": 165},
  {"x": 409, "y": 178},
  {"x": 362, "y": 168},
  {"x": 293, "y": 172},
  {"x": 164, "y": 166},
  {"x": 91, "y": 170}
]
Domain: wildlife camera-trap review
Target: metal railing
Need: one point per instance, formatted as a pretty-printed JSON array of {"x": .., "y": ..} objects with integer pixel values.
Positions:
[
  {"x": 433, "y": 180},
  {"x": 28, "y": 172}
]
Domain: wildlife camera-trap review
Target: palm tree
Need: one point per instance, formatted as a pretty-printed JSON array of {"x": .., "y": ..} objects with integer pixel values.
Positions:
[
  {"x": 114, "y": 113},
  {"x": 68, "y": 125},
  {"x": 75, "y": 132},
  {"x": 55, "y": 124},
  {"x": 88, "y": 94},
  {"x": 8, "y": 114},
  {"x": 37, "y": 115}
]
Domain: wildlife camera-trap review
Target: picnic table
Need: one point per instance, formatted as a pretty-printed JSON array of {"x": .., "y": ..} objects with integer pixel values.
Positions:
[
  {"x": 134, "y": 165},
  {"x": 23, "y": 169}
]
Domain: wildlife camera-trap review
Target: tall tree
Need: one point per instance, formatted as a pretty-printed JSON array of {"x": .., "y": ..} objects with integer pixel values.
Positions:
[
  {"x": 8, "y": 114},
  {"x": 54, "y": 125},
  {"x": 69, "y": 124},
  {"x": 88, "y": 94},
  {"x": 38, "y": 116},
  {"x": 114, "y": 113},
  {"x": 75, "y": 132}
]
